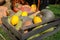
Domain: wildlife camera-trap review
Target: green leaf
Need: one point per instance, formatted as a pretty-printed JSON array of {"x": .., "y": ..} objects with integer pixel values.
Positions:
[
  {"x": 19, "y": 13},
  {"x": 19, "y": 25}
]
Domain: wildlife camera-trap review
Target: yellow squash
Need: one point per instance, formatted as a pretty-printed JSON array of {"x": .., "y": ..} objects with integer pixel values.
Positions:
[
  {"x": 33, "y": 7},
  {"x": 24, "y": 13},
  {"x": 14, "y": 20},
  {"x": 37, "y": 19}
]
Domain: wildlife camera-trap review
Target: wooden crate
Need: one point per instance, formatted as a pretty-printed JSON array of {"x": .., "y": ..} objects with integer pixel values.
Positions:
[{"x": 18, "y": 35}]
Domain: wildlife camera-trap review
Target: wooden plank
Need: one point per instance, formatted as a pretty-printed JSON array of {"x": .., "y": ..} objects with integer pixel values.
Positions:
[
  {"x": 9, "y": 33},
  {"x": 34, "y": 25},
  {"x": 29, "y": 34},
  {"x": 13, "y": 30},
  {"x": 34, "y": 32},
  {"x": 47, "y": 34}
]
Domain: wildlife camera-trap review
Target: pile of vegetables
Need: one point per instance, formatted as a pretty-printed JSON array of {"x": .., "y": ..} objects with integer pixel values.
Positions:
[
  {"x": 23, "y": 19},
  {"x": 27, "y": 8},
  {"x": 27, "y": 15}
]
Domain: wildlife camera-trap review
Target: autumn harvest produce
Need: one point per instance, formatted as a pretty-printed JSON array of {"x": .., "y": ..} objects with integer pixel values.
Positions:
[
  {"x": 22, "y": 22},
  {"x": 37, "y": 20},
  {"x": 47, "y": 15},
  {"x": 24, "y": 14},
  {"x": 27, "y": 20},
  {"x": 27, "y": 8},
  {"x": 33, "y": 8},
  {"x": 14, "y": 20},
  {"x": 22, "y": 19}
]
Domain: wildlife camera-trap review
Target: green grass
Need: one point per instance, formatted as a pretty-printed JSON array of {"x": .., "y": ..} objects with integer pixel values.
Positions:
[
  {"x": 3, "y": 35},
  {"x": 56, "y": 11}
]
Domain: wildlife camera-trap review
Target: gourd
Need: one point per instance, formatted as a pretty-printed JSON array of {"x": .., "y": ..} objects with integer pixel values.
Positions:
[{"x": 47, "y": 15}]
